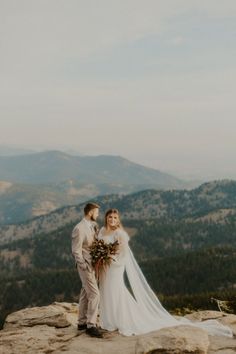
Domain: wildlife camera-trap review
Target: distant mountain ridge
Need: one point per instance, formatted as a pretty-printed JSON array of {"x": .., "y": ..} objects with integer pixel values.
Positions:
[
  {"x": 20, "y": 202},
  {"x": 55, "y": 166},
  {"x": 214, "y": 201},
  {"x": 38, "y": 183}
]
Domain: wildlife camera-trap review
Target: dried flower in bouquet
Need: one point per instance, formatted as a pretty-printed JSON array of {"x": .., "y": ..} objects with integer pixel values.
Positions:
[{"x": 102, "y": 254}]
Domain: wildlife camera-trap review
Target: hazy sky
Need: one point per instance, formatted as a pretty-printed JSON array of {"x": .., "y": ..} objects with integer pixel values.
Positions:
[{"x": 151, "y": 80}]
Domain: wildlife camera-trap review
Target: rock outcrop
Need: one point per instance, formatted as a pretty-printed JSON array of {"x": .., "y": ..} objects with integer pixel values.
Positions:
[{"x": 52, "y": 329}]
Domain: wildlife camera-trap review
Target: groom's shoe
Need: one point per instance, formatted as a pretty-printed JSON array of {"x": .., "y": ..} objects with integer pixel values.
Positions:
[
  {"x": 94, "y": 332},
  {"x": 82, "y": 327}
]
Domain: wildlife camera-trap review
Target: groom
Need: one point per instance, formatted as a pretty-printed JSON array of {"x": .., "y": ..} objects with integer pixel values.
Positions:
[{"x": 83, "y": 235}]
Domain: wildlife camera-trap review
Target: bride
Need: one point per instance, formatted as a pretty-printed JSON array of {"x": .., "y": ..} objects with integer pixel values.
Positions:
[{"x": 137, "y": 311}]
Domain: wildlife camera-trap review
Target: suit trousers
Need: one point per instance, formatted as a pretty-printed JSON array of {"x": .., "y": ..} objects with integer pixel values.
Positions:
[{"x": 89, "y": 298}]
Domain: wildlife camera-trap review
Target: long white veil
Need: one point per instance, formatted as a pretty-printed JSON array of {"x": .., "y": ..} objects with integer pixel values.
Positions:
[{"x": 151, "y": 308}]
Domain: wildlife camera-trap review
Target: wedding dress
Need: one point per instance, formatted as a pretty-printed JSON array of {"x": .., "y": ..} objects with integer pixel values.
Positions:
[{"x": 137, "y": 311}]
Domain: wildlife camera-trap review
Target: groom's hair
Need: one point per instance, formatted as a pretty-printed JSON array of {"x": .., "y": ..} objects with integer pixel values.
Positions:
[{"x": 90, "y": 206}]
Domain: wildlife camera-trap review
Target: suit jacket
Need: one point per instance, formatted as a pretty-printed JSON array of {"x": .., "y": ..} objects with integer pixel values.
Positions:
[{"x": 82, "y": 237}]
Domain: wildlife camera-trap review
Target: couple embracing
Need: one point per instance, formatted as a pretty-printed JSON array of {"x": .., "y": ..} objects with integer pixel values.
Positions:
[{"x": 131, "y": 312}]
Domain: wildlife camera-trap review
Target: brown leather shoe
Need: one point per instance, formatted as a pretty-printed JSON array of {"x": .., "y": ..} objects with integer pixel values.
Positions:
[
  {"x": 94, "y": 332},
  {"x": 81, "y": 327}
]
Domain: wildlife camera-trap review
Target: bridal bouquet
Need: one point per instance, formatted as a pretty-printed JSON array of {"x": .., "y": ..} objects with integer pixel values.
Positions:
[{"x": 102, "y": 254}]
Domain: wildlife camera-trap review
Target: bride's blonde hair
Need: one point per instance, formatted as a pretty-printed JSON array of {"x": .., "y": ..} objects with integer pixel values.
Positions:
[{"x": 113, "y": 211}]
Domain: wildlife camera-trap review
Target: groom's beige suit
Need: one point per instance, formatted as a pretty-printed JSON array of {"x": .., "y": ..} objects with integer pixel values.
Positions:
[{"x": 82, "y": 237}]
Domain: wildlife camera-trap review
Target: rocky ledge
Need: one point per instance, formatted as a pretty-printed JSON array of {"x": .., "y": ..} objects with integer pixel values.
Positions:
[{"x": 52, "y": 329}]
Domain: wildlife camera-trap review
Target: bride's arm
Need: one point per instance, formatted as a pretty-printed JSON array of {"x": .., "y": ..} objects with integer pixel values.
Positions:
[{"x": 123, "y": 240}]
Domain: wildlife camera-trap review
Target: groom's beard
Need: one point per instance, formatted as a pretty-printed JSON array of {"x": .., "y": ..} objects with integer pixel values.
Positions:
[{"x": 92, "y": 218}]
